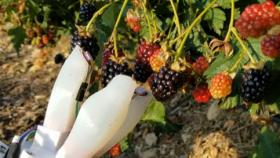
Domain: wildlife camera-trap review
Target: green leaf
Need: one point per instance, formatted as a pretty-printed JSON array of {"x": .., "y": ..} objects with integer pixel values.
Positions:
[
  {"x": 223, "y": 63},
  {"x": 268, "y": 145},
  {"x": 124, "y": 144},
  {"x": 254, "y": 108},
  {"x": 155, "y": 112},
  {"x": 225, "y": 4},
  {"x": 18, "y": 35},
  {"x": 230, "y": 102},
  {"x": 254, "y": 45},
  {"x": 110, "y": 15},
  {"x": 276, "y": 64},
  {"x": 216, "y": 18}
]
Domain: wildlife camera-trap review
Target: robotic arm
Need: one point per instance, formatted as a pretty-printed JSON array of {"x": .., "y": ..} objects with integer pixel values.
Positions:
[{"x": 104, "y": 119}]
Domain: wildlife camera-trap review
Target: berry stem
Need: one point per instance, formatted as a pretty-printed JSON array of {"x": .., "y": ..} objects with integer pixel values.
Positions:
[
  {"x": 95, "y": 15},
  {"x": 170, "y": 31},
  {"x": 147, "y": 18},
  {"x": 176, "y": 18},
  {"x": 116, "y": 26},
  {"x": 244, "y": 47},
  {"x": 188, "y": 30},
  {"x": 237, "y": 63},
  {"x": 154, "y": 22},
  {"x": 227, "y": 38}
]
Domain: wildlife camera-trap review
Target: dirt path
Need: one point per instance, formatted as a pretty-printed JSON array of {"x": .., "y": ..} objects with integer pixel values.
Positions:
[{"x": 25, "y": 84}]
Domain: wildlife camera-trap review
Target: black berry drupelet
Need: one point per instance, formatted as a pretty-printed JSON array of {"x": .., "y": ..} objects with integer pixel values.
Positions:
[
  {"x": 86, "y": 12},
  {"x": 112, "y": 69},
  {"x": 142, "y": 71},
  {"x": 88, "y": 44},
  {"x": 166, "y": 83},
  {"x": 254, "y": 84}
]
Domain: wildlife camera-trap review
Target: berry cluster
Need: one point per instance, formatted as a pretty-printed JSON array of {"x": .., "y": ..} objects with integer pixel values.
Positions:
[
  {"x": 39, "y": 37},
  {"x": 145, "y": 50},
  {"x": 143, "y": 69},
  {"x": 256, "y": 19},
  {"x": 166, "y": 74}
]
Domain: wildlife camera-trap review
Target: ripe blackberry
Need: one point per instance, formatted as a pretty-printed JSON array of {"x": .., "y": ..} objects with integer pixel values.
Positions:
[
  {"x": 270, "y": 45},
  {"x": 88, "y": 44},
  {"x": 166, "y": 83},
  {"x": 256, "y": 19},
  {"x": 86, "y": 12},
  {"x": 142, "y": 71},
  {"x": 112, "y": 69},
  {"x": 145, "y": 50},
  {"x": 254, "y": 84}
]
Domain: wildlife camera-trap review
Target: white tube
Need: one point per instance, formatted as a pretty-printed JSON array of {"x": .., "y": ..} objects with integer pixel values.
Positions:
[
  {"x": 60, "y": 115},
  {"x": 137, "y": 107},
  {"x": 100, "y": 117}
]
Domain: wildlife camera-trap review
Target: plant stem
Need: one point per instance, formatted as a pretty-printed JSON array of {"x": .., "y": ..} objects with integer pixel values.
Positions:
[
  {"x": 154, "y": 22},
  {"x": 188, "y": 30},
  {"x": 176, "y": 18},
  {"x": 116, "y": 26},
  {"x": 227, "y": 38},
  {"x": 147, "y": 18},
  {"x": 244, "y": 47},
  {"x": 170, "y": 30},
  {"x": 95, "y": 15},
  {"x": 235, "y": 66},
  {"x": 177, "y": 38}
]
